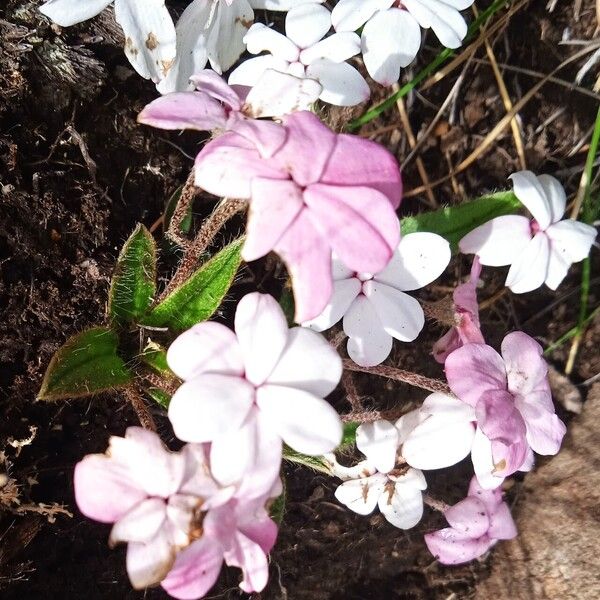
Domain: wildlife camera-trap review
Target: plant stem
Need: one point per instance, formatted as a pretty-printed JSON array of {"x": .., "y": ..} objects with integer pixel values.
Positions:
[
  {"x": 139, "y": 406},
  {"x": 188, "y": 193},
  {"x": 438, "y": 505},
  {"x": 226, "y": 209},
  {"x": 426, "y": 383}
]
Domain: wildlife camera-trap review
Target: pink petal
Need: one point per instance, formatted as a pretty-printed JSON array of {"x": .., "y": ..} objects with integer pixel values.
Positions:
[
  {"x": 491, "y": 498},
  {"x": 358, "y": 243},
  {"x": 274, "y": 206},
  {"x": 214, "y": 85},
  {"x": 248, "y": 556},
  {"x": 469, "y": 517},
  {"x": 226, "y": 166},
  {"x": 545, "y": 431},
  {"x": 205, "y": 348},
  {"x": 268, "y": 137},
  {"x": 307, "y": 149},
  {"x": 141, "y": 523},
  {"x": 209, "y": 406},
  {"x": 451, "y": 547},
  {"x": 195, "y": 570},
  {"x": 502, "y": 525},
  {"x": 104, "y": 489},
  {"x": 447, "y": 344},
  {"x": 308, "y": 259},
  {"x": 262, "y": 332},
  {"x": 184, "y": 110},
  {"x": 347, "y": 167},
  {"x": 255, "y": 524},
  {"x": 473, "y": 370}
]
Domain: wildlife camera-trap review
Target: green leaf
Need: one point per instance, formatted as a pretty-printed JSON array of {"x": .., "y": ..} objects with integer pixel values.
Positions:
[
  {"x": 87, "y": 364},
  {"x": 186, "y": 223},
  {"x": 454, "y": 222},
  {"x": 318, "y": 463},
  {"x": 199, "y": 297},
  {"x": 134, "y": 281},
  {"x": 155, "y": 356},
  {"x": 286, "y": 301},
  {"x": 277, "y": 508},
  {"x": 349, "y": 435},
  {"x": 159, "y": 396}
]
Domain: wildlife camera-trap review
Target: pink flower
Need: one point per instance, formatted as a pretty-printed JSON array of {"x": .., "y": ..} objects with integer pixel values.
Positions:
[
  {"x": 476, "y": 524},
  {"x": 512, "y": 401},
  {"x": 466, "y": 313},
  {"x": 248, "y": 390},
  {"x": 310, "y": 193},
  {"x": 154, "y": 497}
]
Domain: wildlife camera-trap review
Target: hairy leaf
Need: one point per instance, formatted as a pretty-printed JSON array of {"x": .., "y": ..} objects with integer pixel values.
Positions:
[
  {"x": 134, "y": 281},
  {"x": 199, "y": 297},
  {"x": 88, "y": 363}
]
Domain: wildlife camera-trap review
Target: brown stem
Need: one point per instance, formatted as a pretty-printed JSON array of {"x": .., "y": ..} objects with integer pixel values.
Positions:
[
  {"x": 188, "y": 193},
  {"x": 442, "y": 311},
  {"x": 368, "y": 416},
  {"x": 352, "y": 394},
  {"x": 167, "y": 385},
  {"x": 141, "y": 410},
  {"x": 426, "y": 383},
  {"x": 226, "y": 209},
  {"x": 436, "y": 504}
]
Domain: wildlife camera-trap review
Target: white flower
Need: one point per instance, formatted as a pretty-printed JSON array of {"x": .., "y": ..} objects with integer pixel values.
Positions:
[
  {"x": 538, "y": 251},
  {"x": 304, "y": 53},
  {"x": 212, "y": 31},
  {"x": 391, "y": 36},
  {"x": 375, "y": 308},
  {"x": 397, "y": 491},
  {"x": 147, "y": 26}
]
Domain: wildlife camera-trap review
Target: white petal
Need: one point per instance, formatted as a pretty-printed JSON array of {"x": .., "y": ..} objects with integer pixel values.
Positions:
[
  {"x": 498, "y": 242},
  {"x": 483, "y": 462},
  {"x": 69, "y": 12},
  {"x": 262, "y": 333},
  {"x": 306, "y": 423},
  {"x": 148, "y": 564},
  {"x": 419, "y": 259},
  {"x": 446, "y": 22},
  {"x": 282, "y": 5},
  {"x": 344, "y": 293},
  {"x": 530, "y": 270},
  {"x": 450, "y": 408},
  {"x": 402, "y": 507},
  {"x": 361, "y": 495},
  {"x": 149, "y": 36},
  {"x": 572, "y": 239},
  {"x": 276, "y": 94},
  {"x": 358, "y": 471},
  {"x": 555, "y": 195},
  {"x": 390, "y": 41},
  {"x": 250, "y": 72},
  {"x": 226, "y": 37},
  {"x": 342, "y": 84},
  {"x": 349, "y": 15},
  {"x": 308, "y": 362},
  {"x": 369, "y": 344},
  {"x": 141, "y": 523},
  {"x": 407, "y": 423},
  {"x": 378, "y": 441},
  {"x": 531, "y": 193},
  {"x": 400, "y": 314},
  {"x": 205, "y": 348},
  {"x": 337, "y": 48},
  {"x": 306, "y": 24},
  {"x": 261, "y": 38},
  {"x": 209, "y": 406},
  {"x": 412, "y": 478}
]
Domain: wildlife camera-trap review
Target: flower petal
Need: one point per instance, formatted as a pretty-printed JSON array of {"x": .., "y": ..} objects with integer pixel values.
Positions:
[
  {"x": 502, "y": 525},
  {"x": 469, "y": 516},
  {"x": 400, "y": 314},
  {"x": 306, "y": 423},
  {"x": 483, "y": 462},
  {"x": 526, "y": 369},
  {"x": 498, "y": 242},
  {"x": 344, "y": 293},
  {"x": 337, "y": 48},
  {"x": 306, "y": 24},
  {"x": 378, "y": 441},
  {"x": 419, "y": 259},
  {"x": 226, "y": 34},
  {"x": 452, "y": 547},
  {"x": 473, "y": 370},
  {"x": 69, "y": 12},
  {"x": 205, "y": 348},
  {"x": 209, "y": 406},
  {"x": 545, "y": 431},
  {"x": 342, "y": 84},
  {"x": 402, "y": 505},
  {"x": 141, "y": 523},
  {"x": 530, "y": 269},
  {"x": 212, "y": 84},
  {"x": 308, "y": 362},
  {"x": 262, "y": 333},
  {"x": 250, "y": 71},
  {"x": 361, "y": 495},
  {"x": 572, "y": 239},
  {"x": 261, "y": 38},
  {"x": 350, "y": 15},
  {"x": 555, "y": 195},
  {"x": 531, "y": 193},
  {"x": 447, "y": 23},
  {"x": 251, "y": 559},
  {"x": 384, "y": 51},
  {"x": 148, "y": 563}
]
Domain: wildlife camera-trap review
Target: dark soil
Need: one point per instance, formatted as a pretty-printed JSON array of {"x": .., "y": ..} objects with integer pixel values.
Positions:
[{"x": 77, "y": 173}]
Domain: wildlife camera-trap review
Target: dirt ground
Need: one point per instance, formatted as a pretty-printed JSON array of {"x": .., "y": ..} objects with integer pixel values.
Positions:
[{"x": 77, "y": 173}]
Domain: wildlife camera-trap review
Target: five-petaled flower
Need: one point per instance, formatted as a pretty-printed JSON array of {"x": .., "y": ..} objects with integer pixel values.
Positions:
[
  {"x": 476, "y": 524},
  {"x": 311, "y": 192},
  {"x": 375, "y": 307},
  {"x": 538, "y": 251},
  {"x": 248, "y": 390}
]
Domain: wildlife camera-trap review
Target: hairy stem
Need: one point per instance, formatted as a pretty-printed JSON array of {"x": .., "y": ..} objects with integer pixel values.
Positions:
[
  {"x": 436, "y": 504},
  {"x": 188, "y": 193},
  {"x": 426, "y": 383},
  {"x": 141, "y": 410}
]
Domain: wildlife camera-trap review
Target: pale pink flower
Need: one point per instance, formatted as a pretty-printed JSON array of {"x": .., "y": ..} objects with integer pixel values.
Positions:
[
  {"x": 512, "y": 402},
  {"x": 466, "y": 313},
  {"x": 476, "y": 524},
  {"x": 539, "y": 250},
  {"x": 154, "y": 497},
  {"x": 248, "y": 390},
  {"x": 314, "y": 193}
]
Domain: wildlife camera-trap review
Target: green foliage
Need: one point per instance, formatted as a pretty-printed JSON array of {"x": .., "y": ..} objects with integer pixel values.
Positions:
[
  {"x": 454, "y": 222},
  {"x": 155, "y": 356},
  {"x": 277, "y": 508},
  {"x": 88, "y": 363},
  {"x": 134, "y": 281},
  {"x": 199, "y": 297},
  {"x": 317, "y": 463},
  {"x": 159, "y": 396},
  {"x": 349, "y": 435}
]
